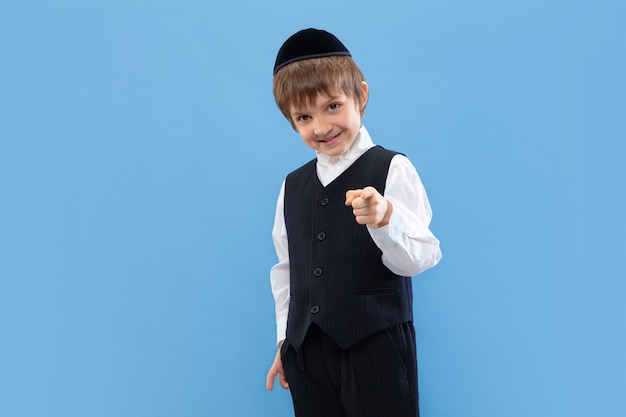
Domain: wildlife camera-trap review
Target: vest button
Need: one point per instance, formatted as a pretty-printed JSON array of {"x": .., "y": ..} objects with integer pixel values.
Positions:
[
  {"x": 324, "y": 201},
  {"x": 321, "y": 236},
  {"x": 315, "y": 309},
  {"x": 317, "y": 272}
]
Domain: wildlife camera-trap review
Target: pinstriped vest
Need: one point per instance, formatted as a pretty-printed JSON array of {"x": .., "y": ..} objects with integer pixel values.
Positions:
[{"x": 337, "y": 278}]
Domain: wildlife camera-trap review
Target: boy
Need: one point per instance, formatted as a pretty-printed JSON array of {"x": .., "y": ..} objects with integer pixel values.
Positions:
[{"x": 351, "y": 228}]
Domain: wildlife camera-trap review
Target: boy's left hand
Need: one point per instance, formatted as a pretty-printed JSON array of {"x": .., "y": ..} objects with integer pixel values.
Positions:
[{"x": 369, "y": 207}]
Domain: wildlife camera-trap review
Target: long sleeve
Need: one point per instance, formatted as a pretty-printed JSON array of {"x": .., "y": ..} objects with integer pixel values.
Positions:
[
  {"x": 279, "y": 274},
  {"x": 408, "y": 245}
]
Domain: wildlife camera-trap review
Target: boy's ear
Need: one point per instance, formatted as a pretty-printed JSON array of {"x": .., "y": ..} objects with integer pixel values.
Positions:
[{"x": 365, "y": 94}]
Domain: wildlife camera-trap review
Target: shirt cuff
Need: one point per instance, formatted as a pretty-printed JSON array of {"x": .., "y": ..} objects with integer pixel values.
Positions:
[
  {"x": 281, "y": 330},
  {"x": 382, "y": 236},
  {"x": 391, "y": 235}
]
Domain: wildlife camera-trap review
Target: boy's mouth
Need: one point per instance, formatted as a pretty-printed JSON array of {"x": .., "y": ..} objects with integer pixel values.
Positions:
[{"x": 330, "y": 138}]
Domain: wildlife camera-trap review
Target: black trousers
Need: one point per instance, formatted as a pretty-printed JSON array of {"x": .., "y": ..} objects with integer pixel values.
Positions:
[{"x": 377, "y": 377}]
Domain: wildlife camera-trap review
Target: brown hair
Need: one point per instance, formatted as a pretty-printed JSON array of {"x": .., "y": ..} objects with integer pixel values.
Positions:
[{"x": 300, "y": 82}]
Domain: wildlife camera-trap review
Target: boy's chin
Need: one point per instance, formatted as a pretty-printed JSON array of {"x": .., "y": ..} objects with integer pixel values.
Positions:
[
  {"x": 332, "y": 151},
  {"x": 331, "y": 154}
]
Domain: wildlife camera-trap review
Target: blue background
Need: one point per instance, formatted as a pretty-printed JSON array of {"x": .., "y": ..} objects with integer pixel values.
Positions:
[{"x": 141, "y": 155}]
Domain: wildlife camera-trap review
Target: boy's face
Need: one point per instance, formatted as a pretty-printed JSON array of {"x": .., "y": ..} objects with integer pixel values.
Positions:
[{"x": 331, "y": 124}]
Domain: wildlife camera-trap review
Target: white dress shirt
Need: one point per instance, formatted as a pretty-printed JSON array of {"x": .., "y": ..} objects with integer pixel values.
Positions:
[{"x": 407, "y": 244}]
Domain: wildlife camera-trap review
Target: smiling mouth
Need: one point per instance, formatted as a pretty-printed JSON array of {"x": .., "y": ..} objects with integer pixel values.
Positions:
[{"x": 330, "y": 139}]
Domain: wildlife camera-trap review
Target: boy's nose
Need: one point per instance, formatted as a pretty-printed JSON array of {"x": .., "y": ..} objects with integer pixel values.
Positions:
[{"x": 321, "y": 127}]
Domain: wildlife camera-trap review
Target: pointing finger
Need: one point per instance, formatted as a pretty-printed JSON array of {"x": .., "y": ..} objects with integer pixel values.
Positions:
[{"x": 351, "y": 195}]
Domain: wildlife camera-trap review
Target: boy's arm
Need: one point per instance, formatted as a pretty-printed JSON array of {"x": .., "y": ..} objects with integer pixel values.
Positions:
[
  {"x": 279, "y": 278},
  {"x": 279, "y": 274},
  {"x": 408, "y": 245}
]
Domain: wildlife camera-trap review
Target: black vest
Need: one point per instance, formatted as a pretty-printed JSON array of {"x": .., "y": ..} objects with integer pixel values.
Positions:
[{"x": 337, "y": 278}]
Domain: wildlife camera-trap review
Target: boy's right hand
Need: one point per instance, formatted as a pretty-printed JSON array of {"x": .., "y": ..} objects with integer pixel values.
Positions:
[
  {"x": 276, "y": 369},
  {"x": 369, "y": 207}
]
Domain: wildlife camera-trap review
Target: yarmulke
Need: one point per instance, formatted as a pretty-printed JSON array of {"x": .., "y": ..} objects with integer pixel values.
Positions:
[{"x": 309, "y": 43}]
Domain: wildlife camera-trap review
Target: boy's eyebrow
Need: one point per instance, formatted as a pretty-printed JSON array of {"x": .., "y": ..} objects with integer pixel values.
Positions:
[
  {"x": 334, "y": 97},
  {"x": 297, "y": 113},
  {"x": 330, "y": 99}
]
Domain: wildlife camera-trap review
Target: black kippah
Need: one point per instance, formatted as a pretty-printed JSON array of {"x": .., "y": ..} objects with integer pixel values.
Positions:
[{"x": 309, "y": 43}]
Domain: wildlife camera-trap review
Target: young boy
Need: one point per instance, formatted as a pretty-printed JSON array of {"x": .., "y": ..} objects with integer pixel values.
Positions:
[{"x": 351, "y": 228}]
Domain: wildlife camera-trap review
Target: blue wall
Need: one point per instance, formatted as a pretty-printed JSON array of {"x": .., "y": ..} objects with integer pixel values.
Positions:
[{"x": 141, "y": 155}]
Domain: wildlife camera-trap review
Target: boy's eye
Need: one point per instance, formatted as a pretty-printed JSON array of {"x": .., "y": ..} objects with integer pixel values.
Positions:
[
  {"x": 303, "y": 118},
  {"x": 333, "y": 106}
]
